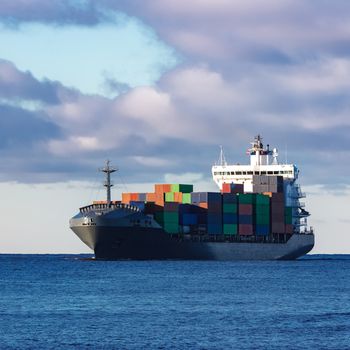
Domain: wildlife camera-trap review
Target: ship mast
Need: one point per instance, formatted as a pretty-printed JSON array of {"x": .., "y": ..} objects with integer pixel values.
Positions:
[{"x": 108, "y": 184}]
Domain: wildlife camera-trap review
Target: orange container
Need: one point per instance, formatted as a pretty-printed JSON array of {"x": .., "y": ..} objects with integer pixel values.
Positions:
[
  {"x": 126, "y": 198},
  {"x": 162, "y": 188},
  {"x": 151, "y": 197},
  {"x": 178, "y": 197},
  {"x": 134, "y": 197},
  {"x": 268, "y": 194}
]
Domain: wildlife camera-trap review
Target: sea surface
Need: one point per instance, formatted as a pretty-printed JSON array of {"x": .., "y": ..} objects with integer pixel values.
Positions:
[{"x": 70, "y": 302}]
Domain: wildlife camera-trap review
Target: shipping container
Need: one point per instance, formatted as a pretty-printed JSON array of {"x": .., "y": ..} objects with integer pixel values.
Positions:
[
  {"x": 246, "y": 198},
  {"x": 229, "y": 208},
  {"x": 162, "y": 188},
  {"x": 245, "y": 209},
  {"x": 229, "y": 198},
  {"x": 169, "y": 197},
  {"x": 244, "y": 229},
  {"x": 277, "y": 227},
  {"x": 151, "y": 197},
  {"x": 262, "y": 230},
  {"x": 262, "y": 219},
  {"x": 186, "y": 198},
  {"x": 171, "y": 217},
  {"x": 215, "y": 229},
  {"x": 261, "y": 199},
  {"x": 228, "y": 218},
  {"x": 262, "y": 210},
  {"x": 181, "y": 188},
  {"x": 289, "y": 229},
  {"x": 138, "y": 204},
  {"x": 230, "y": 229},
  {"x": 171, "y": 227},
  {"x": 178, "y": 197},
  {"x": 188, "y": 219},
  {"x": 245, "y": 219}
]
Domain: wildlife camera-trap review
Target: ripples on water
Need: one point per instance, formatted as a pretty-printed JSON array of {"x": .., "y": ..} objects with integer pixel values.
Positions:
[{"x": 67, "y": 301}]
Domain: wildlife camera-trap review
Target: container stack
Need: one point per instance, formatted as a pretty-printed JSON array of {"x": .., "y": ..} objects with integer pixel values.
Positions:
[
  {"x": 245, "y": 213},
  {"x": 171, "y": 217},
  {"x": 178, "y": 209},
  {"x": 262, "y": 215},
  {"x": 229, "y": 214},
  {"x": 264, "y": 183},
  {"x": 211, "y": 201},
  {"x": 277, "y": 213}
]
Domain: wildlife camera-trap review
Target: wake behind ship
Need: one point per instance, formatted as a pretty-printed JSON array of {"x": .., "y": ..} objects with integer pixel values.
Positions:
[{"x": 257, "y": 215}]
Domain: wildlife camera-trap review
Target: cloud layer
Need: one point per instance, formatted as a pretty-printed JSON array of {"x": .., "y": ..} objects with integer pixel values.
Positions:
[{"x": 282, "y": 70}]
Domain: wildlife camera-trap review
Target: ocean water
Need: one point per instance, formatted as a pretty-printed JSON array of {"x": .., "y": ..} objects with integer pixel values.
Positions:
[{"x": 67, "y": 302}]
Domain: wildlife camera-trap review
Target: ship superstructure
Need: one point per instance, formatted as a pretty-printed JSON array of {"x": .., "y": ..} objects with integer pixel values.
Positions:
[{"x": 264, "y": 164}]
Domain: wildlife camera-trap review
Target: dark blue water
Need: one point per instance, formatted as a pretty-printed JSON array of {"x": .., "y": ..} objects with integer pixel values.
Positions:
[{"x": 64, "y": 302}]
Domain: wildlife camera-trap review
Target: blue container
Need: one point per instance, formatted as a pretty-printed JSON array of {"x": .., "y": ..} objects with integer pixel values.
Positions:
[
  {"x": 140, "y": 205},
  {"x": 186, "y": 208},
  {"x": 205, "y": 197},
  {"x": 214, "y": 229},
  {"x": 229, "y": 198},
  {"x": 262, "y": 230},
  {"x": 202, "y": 218},
  {"x": 245, "y": 219},
  {"x": 214, "y": 219},
  {"x": 188, "y": 219},
  {"x": 228, "y": 218},
  {"x": 142, "y": 197}
]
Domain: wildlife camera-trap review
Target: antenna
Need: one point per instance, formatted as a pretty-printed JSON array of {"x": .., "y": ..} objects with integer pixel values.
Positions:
[
  {"x": 108, "y": 170},
  {"x": 285, "y": 153},
  {"x": 222, "y": 160}
]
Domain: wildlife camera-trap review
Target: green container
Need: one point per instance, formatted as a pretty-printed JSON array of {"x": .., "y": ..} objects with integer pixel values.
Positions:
[
  {"x": 169, "y": 197},
  {"x": 288, "y": 220},
  {"x": 262, "y": 219},
  {"x": 262, "y": 199},
  {"x": 159, "y": 217},
  {"x": 229, "y": 208},
  {"x": 288, "y": 211},
  {"x": 171, "y": 228},
  {"x": 186, "y": 198},
  {"x": 182, "y": 188},
  {"x": 246, "y": 198},
  {"x": 262, "y": 210},
  {"x": 230, "y": 229},
  {"x": 171, "y": 217}
]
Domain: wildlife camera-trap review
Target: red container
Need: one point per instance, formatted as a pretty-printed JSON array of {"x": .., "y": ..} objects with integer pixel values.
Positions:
[
  {"x": 277, "y": 197},
  {"x": 289, "y": 229},
  {"x": 245, "y": 229},
  {"x": 245, "y": 209},
  {"x": 134, "y": 197},
  {"x": 226, "y": 188},
  {"x": 278, "y": 227}
]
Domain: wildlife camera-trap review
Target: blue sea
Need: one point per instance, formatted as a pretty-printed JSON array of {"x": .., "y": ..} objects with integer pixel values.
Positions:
[{"x": 70, "y": 302}]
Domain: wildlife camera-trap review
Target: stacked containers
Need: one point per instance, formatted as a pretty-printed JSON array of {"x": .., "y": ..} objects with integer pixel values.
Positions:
[
  {"x": 229, "y": 213},
  {"x": 288, "y": 215},
  {"x": 171, "y": 217},
  {"x": 211, "y": 201},
  {"x": 245, "y": 213},
  {"x": 277, "y": 213},
  {"x": 262, "y": 215},
  {"x": 275, "y": 184}
]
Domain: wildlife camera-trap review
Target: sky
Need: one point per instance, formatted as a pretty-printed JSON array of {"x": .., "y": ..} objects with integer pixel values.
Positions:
[{"x": 157, "y": 86}]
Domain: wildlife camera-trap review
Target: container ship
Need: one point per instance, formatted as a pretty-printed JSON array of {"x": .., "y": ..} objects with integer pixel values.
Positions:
[{"x": 257, "y": 214}]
